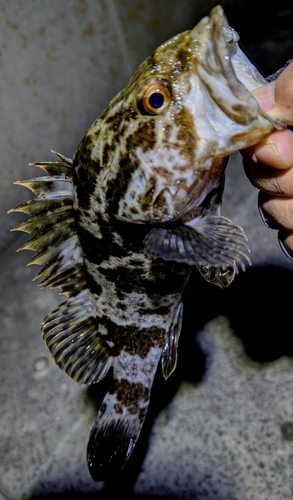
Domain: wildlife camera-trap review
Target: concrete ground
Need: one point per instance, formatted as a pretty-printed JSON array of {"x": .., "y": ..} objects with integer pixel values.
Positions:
[{"x": 221, "y": 428}]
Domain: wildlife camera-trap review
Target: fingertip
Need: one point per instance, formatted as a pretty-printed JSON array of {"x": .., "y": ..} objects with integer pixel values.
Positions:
[{"x": 275, "y": 151}]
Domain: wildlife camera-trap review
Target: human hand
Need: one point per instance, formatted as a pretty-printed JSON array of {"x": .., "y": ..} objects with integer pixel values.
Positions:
[{"x": 269, "y": 164}]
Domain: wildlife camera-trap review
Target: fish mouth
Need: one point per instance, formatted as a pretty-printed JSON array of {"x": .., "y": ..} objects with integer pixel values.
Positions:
[
  {"x": 170, "y": 204},
  {"x": 184, "y": 199},
  {"x": 174, "y": 202}
]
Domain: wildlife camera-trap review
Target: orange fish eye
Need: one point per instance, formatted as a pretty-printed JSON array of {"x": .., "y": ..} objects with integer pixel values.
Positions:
[{"x": 155, "y": 97}]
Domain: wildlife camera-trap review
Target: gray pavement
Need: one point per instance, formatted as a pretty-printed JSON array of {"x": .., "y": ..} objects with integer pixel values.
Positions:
[{"x": 221, "y": 428}]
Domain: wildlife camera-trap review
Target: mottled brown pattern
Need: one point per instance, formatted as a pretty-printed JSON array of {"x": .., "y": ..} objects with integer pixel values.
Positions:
[
  {"x": 130, "y": 394},
  {"x": 107, "y": 153},
  {"x": 87, "y": 170},
  {"x": 95, "y": 249},
  {"x": 187, "y": 137},
  {"x": 118, "y": 185},
  {"x": 132, "y": 339}
]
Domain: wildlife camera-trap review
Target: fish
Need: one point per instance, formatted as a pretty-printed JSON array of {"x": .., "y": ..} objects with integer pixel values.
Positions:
[{"x": 120, "y": 227}]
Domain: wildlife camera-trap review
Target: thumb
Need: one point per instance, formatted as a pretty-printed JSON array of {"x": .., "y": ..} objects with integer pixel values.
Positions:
[
  {"x": 276, "y": 99},
  {"x": 282, "y": 105}
]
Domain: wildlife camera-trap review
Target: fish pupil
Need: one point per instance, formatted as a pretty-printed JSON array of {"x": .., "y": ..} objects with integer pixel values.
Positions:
[{"x": 156, "y": 100}]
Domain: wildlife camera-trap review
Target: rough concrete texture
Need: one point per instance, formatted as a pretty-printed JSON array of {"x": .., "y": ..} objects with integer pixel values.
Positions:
[{"x": 221, "y": 428}]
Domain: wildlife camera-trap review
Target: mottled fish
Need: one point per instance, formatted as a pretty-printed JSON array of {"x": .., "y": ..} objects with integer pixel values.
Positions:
[{"x": 120, "y": 228}]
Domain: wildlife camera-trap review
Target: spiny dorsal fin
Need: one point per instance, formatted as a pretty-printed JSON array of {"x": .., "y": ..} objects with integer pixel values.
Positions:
[
  {"x": 71, "y": 331},
  {"x": 52, "y": 227},
  {"x": 64, "y": 165}
]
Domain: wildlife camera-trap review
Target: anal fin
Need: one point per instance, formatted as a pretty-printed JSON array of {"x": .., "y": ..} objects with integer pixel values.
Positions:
[{"x": 169, "y": 353}]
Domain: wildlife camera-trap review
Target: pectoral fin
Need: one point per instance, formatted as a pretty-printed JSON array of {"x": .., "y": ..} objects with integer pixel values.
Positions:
[
  {"x": 206, "y": 241},
  {"x": 221, "y": 276}
]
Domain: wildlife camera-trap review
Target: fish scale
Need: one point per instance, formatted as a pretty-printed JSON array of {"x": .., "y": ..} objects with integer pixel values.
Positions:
[{"x": 121, "y": 227}]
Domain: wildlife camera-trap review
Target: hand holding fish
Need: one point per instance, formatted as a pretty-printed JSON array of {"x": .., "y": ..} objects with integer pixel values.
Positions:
[{"x": 269, "y": 164}]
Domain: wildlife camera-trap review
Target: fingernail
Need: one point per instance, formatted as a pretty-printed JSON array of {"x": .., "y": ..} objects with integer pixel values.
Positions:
[{"x": 284, "y": 248}]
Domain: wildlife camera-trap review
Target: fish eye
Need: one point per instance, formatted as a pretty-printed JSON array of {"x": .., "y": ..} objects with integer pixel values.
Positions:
[{"x": 154, "y": 97}]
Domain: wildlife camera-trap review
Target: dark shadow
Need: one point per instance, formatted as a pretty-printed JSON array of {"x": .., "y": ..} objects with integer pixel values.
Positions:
[
  {"x": 67, "y": 496},
  {"x": 258, "y": 304},
  {"x": 96, "y": 496}
]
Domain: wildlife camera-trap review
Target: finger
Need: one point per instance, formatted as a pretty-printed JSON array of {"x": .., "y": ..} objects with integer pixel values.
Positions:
[
  {"x": 275, "y": 151},
  {"x": 283, "y": 96},
  {"x": 277, "y": 212},
  {"x": 276, "y": 98},
  {"x": 265, "y": 95},
  {"x": 270, "y": 180}
]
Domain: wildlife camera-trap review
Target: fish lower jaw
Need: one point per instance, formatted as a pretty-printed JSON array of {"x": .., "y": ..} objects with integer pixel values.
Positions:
[
  {"x": 168, "y": 205},
  {"x": 178, "y": 211},
  {"x": 165, "y": 213},
  {"x": 150, "y": 219},
  {"x": 175, "y": 202}
]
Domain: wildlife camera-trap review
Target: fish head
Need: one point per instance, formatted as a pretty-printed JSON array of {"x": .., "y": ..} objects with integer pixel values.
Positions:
[{"x": 161, "y": 144}]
